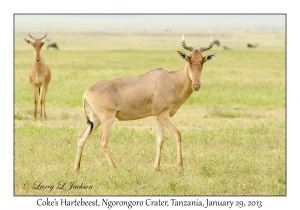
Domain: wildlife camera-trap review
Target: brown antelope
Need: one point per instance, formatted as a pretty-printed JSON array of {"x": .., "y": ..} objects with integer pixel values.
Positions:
[
  {"x": 157, "y": 93},
  {"x": 39, "y": 75}
]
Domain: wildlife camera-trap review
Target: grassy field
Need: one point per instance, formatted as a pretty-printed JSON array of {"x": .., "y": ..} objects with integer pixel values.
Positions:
[{"x": 233, "y": 129}]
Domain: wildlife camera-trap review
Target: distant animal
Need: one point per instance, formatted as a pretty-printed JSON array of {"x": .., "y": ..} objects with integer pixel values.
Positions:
[
  {"x": 217, "y": 42},
  {"x": 251, "y": 45},
  {"x": 158, "y": 93},
  {"x": 226, "y": 48},
  {"x": 51, "y": 44},
  {"x": 39, "y": 75}
]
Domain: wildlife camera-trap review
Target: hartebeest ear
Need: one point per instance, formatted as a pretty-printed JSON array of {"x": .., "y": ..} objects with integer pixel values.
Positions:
[
  {"x": 28, "y": 41},
  {"x": 183, "y": 55},
  {"x": 209, "y": 57}
]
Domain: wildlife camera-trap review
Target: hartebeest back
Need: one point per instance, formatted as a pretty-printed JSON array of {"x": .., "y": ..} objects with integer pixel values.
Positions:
[
  {"x": 157, "y": 93},
  {"x": 39, "y": 75}
]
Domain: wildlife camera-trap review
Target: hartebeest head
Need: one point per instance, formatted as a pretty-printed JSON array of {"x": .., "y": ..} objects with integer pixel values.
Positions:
[
  {"x": 37, "y": 46},
  {"x": 196, "y": 61}
]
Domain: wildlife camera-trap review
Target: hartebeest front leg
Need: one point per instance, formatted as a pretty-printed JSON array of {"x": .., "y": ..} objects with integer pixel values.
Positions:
[
  {"x": 42, "y": 101},
  {"x": 35, "y": 98},
  {"x": 167, "y": 122},
  {"x": 159, "y": 142}
]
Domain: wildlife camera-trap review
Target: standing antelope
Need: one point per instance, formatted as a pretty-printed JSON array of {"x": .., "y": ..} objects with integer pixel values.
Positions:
[
  {"x": 39, "y": 75},
  {"x": 157, "y": 93}
]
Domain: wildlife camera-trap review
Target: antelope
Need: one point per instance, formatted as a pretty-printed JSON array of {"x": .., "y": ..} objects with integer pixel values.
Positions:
[
  {"x": 39, "y": 75},
  {"x": 217, "y": 42},
  {"x": 158, "y": 93},
  {"x": 51, "y": 44},
  {"x": 252, "y": 45},
  {"x": 226, "y": 48}
]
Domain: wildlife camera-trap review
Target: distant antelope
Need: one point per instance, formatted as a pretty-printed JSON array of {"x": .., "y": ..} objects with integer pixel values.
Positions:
[
  {"x": 226, "y": 48},
  {"x": 39, "y": 75},
  {"x": 217, "y": 42},
  {"x": 51, "y": 44},
  {"x": 251, "y": 45},
  {"x": 157, "y": 93}
]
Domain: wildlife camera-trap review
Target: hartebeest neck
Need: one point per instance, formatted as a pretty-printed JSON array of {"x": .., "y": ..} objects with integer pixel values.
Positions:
[
  {"x": 38, "y": 65},
  {"x": 183, "y": 81}
]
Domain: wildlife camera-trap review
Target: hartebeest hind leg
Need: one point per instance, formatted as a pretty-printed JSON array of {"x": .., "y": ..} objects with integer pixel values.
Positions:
[
  {"x": 159, "y": 142},
  {"x": 167, "y": 122},
  {"x": 83, "y": 137},
  {"x": 106, "y": 124}
]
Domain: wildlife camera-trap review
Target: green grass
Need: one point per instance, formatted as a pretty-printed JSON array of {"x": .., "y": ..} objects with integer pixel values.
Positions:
[{"x": 233, "y": 129}]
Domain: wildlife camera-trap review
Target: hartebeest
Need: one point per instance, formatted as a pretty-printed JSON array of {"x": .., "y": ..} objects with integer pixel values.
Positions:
[
  {"x": 39, "y": 75},
  {"x": 157, "y": 93}
]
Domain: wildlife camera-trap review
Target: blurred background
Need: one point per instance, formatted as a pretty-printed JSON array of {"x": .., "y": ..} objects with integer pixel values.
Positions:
[
  {"x": 178, "y": 22},
  {"x": 141, "y": 32}
]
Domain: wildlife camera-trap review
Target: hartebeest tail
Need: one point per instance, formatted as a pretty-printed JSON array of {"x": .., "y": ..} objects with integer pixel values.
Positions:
[
  {"x": 158, "y": 93},
  {"x": 39, "y": 75},
  {"x": 87, "y": 117}
]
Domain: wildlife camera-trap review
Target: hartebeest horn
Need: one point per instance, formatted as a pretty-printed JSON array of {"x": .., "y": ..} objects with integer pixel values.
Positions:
[
  {"x": 43, "y": 36},
  {"x": 190, "y": 48},
  {"x": 31, "y": 36},
  {"x": 202, "y": 49},
  {"x": 35, "y": 38}
]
